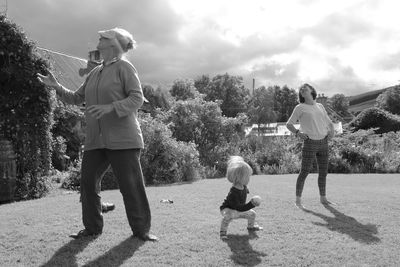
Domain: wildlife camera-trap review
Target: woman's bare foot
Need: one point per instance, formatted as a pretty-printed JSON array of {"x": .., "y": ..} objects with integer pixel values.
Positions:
[
  {"x": 299, "y": 204},
  {"x": 325, "y": 201}
]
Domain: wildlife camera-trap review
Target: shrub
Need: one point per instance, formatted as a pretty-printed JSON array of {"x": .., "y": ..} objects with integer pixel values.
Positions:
[
  {"x": 164, "y": 159},
  {"x": 25, "y": 109},
  {"x": 377, "y": 118},
  {"x": 202, "y": 123},
  {"x": 358, "y": 159},
  {"x": 73, "y": 180},
  {"x": 67, "y": 122},
  {"x": 59, "y": 158},
  {"x": 338, "y": 165},
  {"x": 390, "y": 100}
]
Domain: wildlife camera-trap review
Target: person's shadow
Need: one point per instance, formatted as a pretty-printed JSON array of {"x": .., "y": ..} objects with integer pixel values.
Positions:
[
  {"x": 242, "y": 252},
  {"x": 364, "y": 233},
  {"x": 66, "y": 255},
  {"x": 118, "y": 254}
]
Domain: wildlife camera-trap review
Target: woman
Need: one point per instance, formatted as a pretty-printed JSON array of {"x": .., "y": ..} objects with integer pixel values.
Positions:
[
  {"x": 315, "y": 130},
  {"x": 113, "y": 94}
]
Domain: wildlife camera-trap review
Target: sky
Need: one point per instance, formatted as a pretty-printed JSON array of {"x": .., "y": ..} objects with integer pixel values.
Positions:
[{"x": 340, "y": 47}]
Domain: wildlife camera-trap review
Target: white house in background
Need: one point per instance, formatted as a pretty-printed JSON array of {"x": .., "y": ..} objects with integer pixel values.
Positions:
[{"x": 279, "y": 129}]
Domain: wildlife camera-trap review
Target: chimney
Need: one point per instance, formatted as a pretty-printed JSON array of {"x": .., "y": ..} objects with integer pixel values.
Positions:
[{"x": 94, "y": 60}]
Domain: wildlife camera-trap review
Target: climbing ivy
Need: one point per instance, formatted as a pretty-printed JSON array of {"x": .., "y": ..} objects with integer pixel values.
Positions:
[{"x": 25, "y": 109}]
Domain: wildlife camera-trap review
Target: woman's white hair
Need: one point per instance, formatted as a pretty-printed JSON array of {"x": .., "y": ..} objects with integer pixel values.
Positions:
[
  {"x": 123, "y": 39},
  {"x": 238, "y": 171}
]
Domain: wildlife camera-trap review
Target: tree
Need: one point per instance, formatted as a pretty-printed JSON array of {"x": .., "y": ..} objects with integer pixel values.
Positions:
[
  {"x": 285, "y": 100},
  {"x": 202, "y": 83},
  {"x": 390, "y": 100},
  {"x": 340, "y": 104},
  {"x": 261, "y": 106},
  {"x": 157, "y": 98},
  {"x": 183, "y": 89},
  {"x": 25, "y": 109},
  {"x": 202, "y": 122},
  {"x": 228, "y": 89}
]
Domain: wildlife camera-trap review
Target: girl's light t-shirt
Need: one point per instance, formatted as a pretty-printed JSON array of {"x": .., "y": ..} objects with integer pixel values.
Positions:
[{"x": 314, "y": 120}]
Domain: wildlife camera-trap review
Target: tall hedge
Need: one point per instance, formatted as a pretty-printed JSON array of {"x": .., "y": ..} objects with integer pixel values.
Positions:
[
  {"x": 25, "y": 109},
  {"x": 379, "y": 119}
]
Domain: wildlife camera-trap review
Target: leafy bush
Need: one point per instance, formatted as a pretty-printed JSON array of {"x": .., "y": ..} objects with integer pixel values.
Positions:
[
  {"x": 202, "y": 123},
  {"x": 59, "y": 157},
  {"x": 67, "y": 122},
  {"x": 25, "y": 109},
  {"x": 359, "y": 159},
  {"x": 338, "y": 165},
  {"x": 73, "y": 180},
  {"x": 377, "y": 118},
  {"x": 164, "y": 159},
  {"x": 390, "y": 100}
]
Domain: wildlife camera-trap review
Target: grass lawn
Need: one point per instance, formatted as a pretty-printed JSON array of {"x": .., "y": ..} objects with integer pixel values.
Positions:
[{"x": 361, "y": 230}]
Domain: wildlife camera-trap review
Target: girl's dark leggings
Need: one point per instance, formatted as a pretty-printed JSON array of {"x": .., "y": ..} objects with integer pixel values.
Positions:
[{"x": 313, "y": 149}]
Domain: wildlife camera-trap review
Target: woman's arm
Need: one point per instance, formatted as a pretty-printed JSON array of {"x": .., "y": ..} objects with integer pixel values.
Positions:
[
  {"x": 65, "y": 94},
  {"x": 132, "y": 88}
]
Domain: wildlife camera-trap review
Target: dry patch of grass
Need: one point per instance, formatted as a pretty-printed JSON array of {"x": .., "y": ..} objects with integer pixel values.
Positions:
[{"x": 362, "y": 230}]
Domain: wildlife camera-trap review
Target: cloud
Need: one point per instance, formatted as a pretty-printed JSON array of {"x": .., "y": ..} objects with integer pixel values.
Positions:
[
  {"x": 342, "y": 46},
  {"x": 388, "y": 61},
  {"x": 341, "y": 79},
  {"x": 340, "y": 29},
  {"x": 71, "y": 26}
]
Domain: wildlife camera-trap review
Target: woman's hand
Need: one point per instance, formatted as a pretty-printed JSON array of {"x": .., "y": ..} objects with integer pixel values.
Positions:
[
  {"x": 331, "y": 134},
  {"x": 48, "y": 80},
  {"x": 98, "y": 111},
  {"x": 302, "y": 136}
]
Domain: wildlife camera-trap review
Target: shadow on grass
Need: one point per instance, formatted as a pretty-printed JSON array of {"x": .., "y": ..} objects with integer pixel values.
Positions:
[
  {"x": 364, "y": 233},
  {"x": 242, "y": 252},
  {"x": 118, "y": 254},
  {"x": 65, "y": 256}
]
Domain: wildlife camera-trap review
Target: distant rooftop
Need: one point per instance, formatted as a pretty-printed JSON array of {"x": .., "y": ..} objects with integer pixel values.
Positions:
[{"x": 66, "y": 67}]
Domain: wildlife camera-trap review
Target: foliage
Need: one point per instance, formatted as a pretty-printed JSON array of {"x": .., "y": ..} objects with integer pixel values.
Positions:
[
  {"x": 285, "y": 100},
  {"x": 226, "y": 88},
  {"x": 201, "y": 83},
  {"x": 67, "y": 122},
  {"x": 390, "y": 100},
  {"x": 58, "y": 157},
  {"x": 73, "y": 180},
  {"x": 261, "y": 106},
  {"x": 340, "y": 104},
  {"x": 202, "y": 122},
  {"x": 183, "y": 89},
  {"x": 158, "y": 100},
  {"x": 25, "y": 109},
  {"x": 164, "y": 159},
  {"x": 377, "y": 118}
]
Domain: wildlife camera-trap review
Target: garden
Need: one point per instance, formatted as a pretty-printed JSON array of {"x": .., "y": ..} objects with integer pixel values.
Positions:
[{"x": 190, "y": 131}]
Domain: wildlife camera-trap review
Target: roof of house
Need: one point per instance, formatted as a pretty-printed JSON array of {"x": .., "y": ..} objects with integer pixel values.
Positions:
[
  {"x": 65, "y": 67},
  {"x": 69, "y": 70}
]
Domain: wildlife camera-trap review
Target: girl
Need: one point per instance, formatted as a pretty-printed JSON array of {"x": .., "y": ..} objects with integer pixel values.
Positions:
[{"x": 235, "y": 206}]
